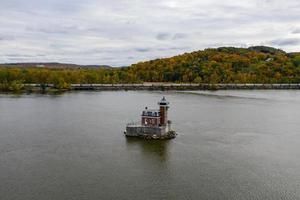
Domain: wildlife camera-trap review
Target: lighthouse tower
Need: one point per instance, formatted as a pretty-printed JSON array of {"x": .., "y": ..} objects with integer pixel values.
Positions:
[
  {"x": 163, "y": 109},
  {"x": 154, "y": 123}
]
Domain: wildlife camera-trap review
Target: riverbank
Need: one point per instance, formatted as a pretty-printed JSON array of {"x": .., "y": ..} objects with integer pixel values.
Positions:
[
  {"x": 154, "y": 86},
  {"x": 171, "y": 86},
  {"x": 183, "y": 86}
]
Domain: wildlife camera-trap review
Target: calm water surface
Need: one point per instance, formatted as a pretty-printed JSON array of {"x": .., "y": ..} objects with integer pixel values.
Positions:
[{"x": 231, "y": 145}]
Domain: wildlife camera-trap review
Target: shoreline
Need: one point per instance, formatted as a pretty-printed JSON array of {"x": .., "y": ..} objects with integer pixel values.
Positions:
[
  {"x": 169, "y": 86},
  {"x": 181, "y": 86},
  {"x": 50, "y": 88}
]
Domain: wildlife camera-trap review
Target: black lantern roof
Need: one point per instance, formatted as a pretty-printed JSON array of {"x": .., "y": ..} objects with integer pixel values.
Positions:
[{"x": 163, "y": 102}]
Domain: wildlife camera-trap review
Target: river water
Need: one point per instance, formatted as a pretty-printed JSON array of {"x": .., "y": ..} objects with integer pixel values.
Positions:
[{"x": 231, "y": 145}]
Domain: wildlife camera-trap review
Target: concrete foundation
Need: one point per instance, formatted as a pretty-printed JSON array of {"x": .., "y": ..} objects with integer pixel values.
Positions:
[{"x": 149, "y": 132}]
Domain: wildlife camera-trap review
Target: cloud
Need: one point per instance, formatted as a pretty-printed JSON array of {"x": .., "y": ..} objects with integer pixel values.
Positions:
[
  {"x": 20, "y": 55},
  {"x": 168, "y": 36},
  {"x": 142, "y": 50},
  {"x": 124, "y": 32},
  {"x": 296, "y": 31},
  {"x": 285, "y": 42},
  {"x": 178, "y": 36},
  {"x": 6, "y": 37},
  {"x": 163, "y": 36},
  {"x": 172, "y": 48},
  {"x": 54, "y": 29}
]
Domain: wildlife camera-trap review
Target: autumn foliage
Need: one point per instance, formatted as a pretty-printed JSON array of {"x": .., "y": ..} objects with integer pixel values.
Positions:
[{"x": 222, "y": 65}]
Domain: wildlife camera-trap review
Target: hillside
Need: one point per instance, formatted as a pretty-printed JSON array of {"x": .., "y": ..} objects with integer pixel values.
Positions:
[{"x": 257, "y": 64}]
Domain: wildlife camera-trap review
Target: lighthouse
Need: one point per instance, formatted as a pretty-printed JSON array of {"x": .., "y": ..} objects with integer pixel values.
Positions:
[
  {"x": 154, "y": 123},
  {"x": 163, "y": 109}
]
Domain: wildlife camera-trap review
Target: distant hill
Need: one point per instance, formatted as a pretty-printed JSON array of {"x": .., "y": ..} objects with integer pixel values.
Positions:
[
  {"x": 257, "y": 64},
  {"x": 53, "y": 65}
]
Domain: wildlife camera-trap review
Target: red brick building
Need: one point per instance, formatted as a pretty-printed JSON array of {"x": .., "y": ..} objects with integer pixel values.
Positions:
[
  {"x": 156, "y": 117},
  {"x": 154, "y": 123}
]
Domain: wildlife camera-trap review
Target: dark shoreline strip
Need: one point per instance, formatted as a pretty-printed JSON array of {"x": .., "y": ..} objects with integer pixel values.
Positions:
[{"x": 173, "y": 86}]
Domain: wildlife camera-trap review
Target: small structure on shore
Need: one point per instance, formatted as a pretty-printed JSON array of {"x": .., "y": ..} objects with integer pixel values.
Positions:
[{"x": 154, "y": 123}]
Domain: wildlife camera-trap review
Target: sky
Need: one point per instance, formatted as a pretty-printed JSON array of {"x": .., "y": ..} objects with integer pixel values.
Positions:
[{"x": 123, "y": 32}]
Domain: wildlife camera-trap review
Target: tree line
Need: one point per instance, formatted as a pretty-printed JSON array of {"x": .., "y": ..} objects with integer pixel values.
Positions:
[{"x": 221, "y": 65}]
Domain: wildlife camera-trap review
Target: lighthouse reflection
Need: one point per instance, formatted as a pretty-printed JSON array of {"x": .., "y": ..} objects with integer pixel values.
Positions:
[{"x": 157, "y": 149}]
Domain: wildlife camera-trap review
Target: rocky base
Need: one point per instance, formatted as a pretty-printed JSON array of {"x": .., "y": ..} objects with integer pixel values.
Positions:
[{"x": 169, "y": 135}]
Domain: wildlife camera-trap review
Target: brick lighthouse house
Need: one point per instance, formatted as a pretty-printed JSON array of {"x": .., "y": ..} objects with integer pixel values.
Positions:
[{"x": 154, "y": 123}]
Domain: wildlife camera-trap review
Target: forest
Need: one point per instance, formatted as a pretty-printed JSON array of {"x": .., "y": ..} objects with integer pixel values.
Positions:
[{"x": 258, "y": 64}]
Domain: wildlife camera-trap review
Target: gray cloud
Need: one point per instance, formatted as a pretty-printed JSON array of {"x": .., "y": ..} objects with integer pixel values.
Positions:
[
  {"x": 123, "y": 32},
  {"x": 296, "y": 31},
  {"x": 163, "y": 36},
  {"x": 6, "y": 37},
  {"x": 285, "y": 42},
  {"x": 20, "y": 55},
  {"x": 142, "y": 49},
  {"x": 173, "y": 48},
  {"x": 178, "y": 36},
  {"x": 167, "y": 36},
  {"x": 53, "y": 29}
]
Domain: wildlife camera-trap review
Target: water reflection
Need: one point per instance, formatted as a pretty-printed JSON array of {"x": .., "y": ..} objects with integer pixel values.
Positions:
[{"x": 153, "y": 148}]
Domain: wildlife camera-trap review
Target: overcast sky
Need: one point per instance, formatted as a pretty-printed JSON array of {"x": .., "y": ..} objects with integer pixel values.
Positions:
[{"x": 122, "y": 32}]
